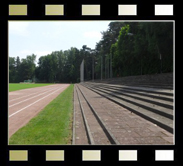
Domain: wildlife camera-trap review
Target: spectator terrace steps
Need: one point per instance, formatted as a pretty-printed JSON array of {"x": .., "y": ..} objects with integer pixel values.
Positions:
[{"x": 153, "y": 104}]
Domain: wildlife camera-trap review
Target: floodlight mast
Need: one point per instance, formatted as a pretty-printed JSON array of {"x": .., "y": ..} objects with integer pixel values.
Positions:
[{"x": 82, "y": 71}]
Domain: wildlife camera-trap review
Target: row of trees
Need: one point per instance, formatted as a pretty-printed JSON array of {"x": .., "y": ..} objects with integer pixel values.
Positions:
[
  {"x": 59, "y": 66},
  {"x": 20, "y": 70},
  {"x": 63, "y": 66},
  {"x": 126, "y": 48},
  {"x": 138, "y": 48}
]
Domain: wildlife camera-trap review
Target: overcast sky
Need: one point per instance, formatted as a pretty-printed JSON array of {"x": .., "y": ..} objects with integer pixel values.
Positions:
[{"x": 43, "y": 37}]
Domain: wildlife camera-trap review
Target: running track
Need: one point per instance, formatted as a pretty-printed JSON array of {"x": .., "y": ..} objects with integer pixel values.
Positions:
[{"x": 26, "y": 103}]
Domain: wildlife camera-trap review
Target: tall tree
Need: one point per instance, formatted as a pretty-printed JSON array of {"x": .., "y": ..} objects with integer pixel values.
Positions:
[{"x": 12, "y": 69}]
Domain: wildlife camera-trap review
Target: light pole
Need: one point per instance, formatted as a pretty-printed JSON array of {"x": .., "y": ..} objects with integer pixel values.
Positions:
[
  {"x": 111, "y": 66},
  {"x": 160, "y": 59},
  {"x": 82, "y": 71},
  {"x": 105, "y": 66},
  {"x": 160, "y": 63},
  {"x": 93, "y": 68},
  {"x": 141, "y": 64},
  {"x": 131, "y": 34},
  {"x": 101, "y": 66},
  {"x": 93, "y": 65}
]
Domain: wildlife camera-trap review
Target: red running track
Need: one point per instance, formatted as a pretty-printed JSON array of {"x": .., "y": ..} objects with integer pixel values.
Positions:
[{"x": 26, "y": 103}]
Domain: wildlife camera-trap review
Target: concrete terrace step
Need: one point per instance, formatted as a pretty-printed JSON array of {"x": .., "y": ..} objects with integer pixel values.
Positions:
[
  {"x": 155, "y": 86},
  {"x": 148, "y": 94},
  {"x": 167, "y": 92},
  {"x": 150, "y": 85},
  {"x": 128, "y": 90},
  {"x": 146, "y": 105},
  {"x": 153, "y": 100},
  {"x": 158, "y": 115},
  {"x": 162, "y": 80}
]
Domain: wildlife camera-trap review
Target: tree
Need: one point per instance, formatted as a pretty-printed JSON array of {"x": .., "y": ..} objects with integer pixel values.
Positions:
[
  {"x": 135, "y": 47},
  {"x": 12, "y": 69},
  {"x": 142, "y": 48},
  {"x": 17, "y": 64}
]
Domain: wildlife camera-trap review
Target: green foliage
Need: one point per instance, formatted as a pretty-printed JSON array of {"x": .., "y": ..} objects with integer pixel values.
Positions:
[
  {"x": 135, "y": 47},
  {"x": 21, "y": 70},
  {"x": 140, "y": 46}
]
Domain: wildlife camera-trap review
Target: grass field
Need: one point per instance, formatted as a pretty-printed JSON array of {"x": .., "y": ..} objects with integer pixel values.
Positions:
[
  {"x": 52, "y": 126},
  {"x": 14, "y": 86}
]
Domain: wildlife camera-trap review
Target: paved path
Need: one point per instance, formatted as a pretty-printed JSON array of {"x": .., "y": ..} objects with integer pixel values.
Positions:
[
  {"x": 26, "y": 103},
  {"x": 127, "y": 128}
]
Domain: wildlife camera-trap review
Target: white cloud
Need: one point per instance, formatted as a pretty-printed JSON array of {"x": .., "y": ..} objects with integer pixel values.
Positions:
[
  {"x": 19, "y": 28},
  {"x": 93, "y": 34}
]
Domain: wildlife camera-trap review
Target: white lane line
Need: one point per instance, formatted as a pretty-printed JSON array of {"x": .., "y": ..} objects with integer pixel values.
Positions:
[
  {"x": 28, "y": 89},
  {"x": 31, "y": 98},
  {"x": 33, "y": 103},
  {"x": 27, "y": 95}
]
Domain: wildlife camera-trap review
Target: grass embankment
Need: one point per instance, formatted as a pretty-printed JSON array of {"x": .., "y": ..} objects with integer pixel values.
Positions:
[
  {"x": 53, "y": 125},
  {"x": 14, "y": 86}
]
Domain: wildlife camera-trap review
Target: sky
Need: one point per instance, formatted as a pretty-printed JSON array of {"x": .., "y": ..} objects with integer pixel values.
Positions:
[{"x": 43, "y": 37}]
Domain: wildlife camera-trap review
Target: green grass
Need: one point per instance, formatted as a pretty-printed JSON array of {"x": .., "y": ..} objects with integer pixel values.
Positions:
[
  {"x": 52, "y": 126},
  {"x": 14, "y": 87}
]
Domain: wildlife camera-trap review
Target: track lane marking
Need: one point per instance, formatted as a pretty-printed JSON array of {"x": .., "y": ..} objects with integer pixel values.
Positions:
[
  {"x": 27, "y": 89},
  {"x": 30, "y": 98},
  {"x": 34, "y": 103},
  {"x": 26, "y": 95}
]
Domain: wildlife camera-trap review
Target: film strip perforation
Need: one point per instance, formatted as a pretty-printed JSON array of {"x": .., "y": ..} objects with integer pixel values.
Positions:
[
  {"x": 127, "y": 10},
  {"x": 163, "y": 9},
  {"x": 90, "y": 10},
  {"x": 18, "y": 10},
  {"x": 92, "y": 155},
  {"x": 54, "y": 10}
]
